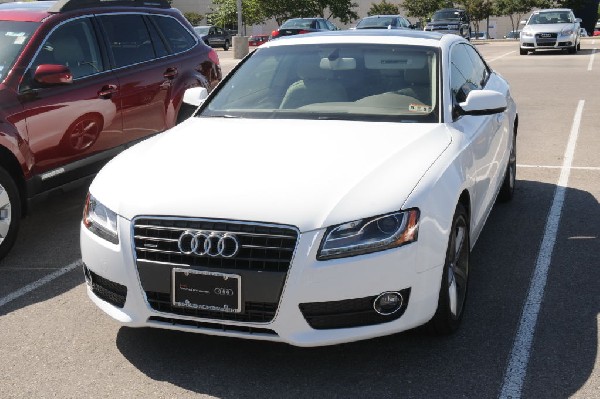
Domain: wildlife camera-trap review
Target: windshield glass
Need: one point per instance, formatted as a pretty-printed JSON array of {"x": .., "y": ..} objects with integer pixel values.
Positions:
[
  {"x": 332, "y": 81},
  {"x": 13, "y": 37},
  {"x": 381, "y": 22},
  {"x": 201, "y": 30},
  {"x": 297, "y": 23},
  {"x": 555, "y": 17},
  {"x": 445, "y": 15}
]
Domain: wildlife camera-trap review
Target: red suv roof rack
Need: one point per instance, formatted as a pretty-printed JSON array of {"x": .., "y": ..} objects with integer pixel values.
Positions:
[{"x": 69, "y": 5}]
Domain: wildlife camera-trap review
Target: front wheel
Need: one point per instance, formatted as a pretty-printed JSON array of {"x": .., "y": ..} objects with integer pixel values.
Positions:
[
  {"x": 523, "y": 52},
  {"x": 10, "y": 212},
  {"x": 510, "y": 175},
  {"x": 455, "y": 277},
  {"x": 572, "y": 50}
]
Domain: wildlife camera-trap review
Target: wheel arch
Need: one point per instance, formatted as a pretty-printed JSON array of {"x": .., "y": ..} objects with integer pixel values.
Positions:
[{"x": 9, "y": 162}]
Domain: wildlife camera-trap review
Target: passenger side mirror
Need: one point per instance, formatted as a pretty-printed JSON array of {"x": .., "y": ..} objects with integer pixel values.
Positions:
[
  {"x": 482, "y": 102},
  {"x": 51, "y": 74},
  {"x": 578, "y": 20},
  {"x": 195, "y": 96},
  {"x": 523, "y": 22}
]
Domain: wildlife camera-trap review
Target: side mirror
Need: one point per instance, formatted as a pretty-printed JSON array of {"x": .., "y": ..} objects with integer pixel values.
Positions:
[
  {"x": 51, "y": 74},
  {"x": 523, "y": 22},
  {"x": 195, "y": 96},
  {"x": 578, "y": 20},
  {"x": 482, "y": 102}
]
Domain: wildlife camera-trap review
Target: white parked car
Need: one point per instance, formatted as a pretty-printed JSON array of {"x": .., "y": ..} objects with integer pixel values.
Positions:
[
  {"x": 551, "y": 29},
  {"x": 329, "y": 190}
]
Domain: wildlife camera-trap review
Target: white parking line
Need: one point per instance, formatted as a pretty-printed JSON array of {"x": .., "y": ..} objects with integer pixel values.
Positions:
[
  {"x": 501, "y": 56},
  {"x": 516, "y": 368},
  {"x": 592, "y": 59},
  {"x": 37, "y": 284},
  {"x": 592, "y": 168}
]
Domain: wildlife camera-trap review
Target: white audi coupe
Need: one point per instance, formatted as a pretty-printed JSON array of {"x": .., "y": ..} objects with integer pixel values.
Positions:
[{"x": 329, "y": 190}]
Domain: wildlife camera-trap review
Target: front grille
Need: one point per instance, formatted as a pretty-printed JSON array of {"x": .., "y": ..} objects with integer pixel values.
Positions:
[
  {"x": 262, "y": 247},
  {"x": 546, "y": 36},
  {"x": 109, "y": 291},
  {"x": 348, "y": 313},
  {"x": 546, "y": 44},
  {"x": 212, "y": 326},
  {"x": 262, "y": 262},
  {"x": 255, "y": 312}
]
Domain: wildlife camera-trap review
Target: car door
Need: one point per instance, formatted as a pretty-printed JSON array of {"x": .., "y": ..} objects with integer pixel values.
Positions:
[
  {"x": 468, "y": 72},
  {"x": 145, "y": 73},
  {"x": 70, "y": 121}
]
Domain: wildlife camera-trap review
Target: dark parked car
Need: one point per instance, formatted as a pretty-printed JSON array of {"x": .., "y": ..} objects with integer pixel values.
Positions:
[
  {"x": 450, "y": 20},
  {"x": 298, "y": 26},
  {"x": 214, "y": 36},
  {"x": 513, "y": 34},
  {"x": 80, "y": 80},
  {"x": 384, "y": 22}
]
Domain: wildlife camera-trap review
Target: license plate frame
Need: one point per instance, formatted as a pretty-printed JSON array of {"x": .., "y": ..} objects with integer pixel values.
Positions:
[{"x": 206, "y": 290}]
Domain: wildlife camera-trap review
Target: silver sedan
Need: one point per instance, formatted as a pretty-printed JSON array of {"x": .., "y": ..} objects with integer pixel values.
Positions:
[{"x": 551, "y": 29}]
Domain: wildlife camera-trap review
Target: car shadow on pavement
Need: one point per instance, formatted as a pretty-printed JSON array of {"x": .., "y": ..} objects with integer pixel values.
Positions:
[
  {"x": 469, "y": 363},
  {"x": 48, "y": 241}
]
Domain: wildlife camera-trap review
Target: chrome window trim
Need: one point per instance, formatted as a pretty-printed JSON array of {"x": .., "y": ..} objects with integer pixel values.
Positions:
[{"x": 108, "y": 69}]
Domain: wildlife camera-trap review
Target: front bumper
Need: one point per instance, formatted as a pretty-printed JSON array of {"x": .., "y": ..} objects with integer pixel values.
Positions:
[
  {"x": 549, "y": 42},
  {"x": 316, "y": 305}
]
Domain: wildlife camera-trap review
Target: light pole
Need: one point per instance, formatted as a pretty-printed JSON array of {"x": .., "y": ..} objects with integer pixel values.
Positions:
[{"x": 240, "y": 42}]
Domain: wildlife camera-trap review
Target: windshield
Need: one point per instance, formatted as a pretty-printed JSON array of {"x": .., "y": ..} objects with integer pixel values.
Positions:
[
  {"x": 297, "y": 23},
  {"x": 13, "y": 38},
  {"x": 201, "y": 30},
  {"x": 555, "y": 17},
  {"x": 349, "y": 81},
  {"x": 381, "y": 22},
  {"x": 445, "y": 15}
]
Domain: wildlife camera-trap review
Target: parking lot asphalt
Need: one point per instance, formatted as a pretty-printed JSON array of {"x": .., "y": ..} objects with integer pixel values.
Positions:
[{"x": 531, "y": 328}]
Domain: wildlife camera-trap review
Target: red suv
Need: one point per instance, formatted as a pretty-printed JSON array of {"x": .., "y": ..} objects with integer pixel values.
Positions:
[{"x": 80, "y": 80}]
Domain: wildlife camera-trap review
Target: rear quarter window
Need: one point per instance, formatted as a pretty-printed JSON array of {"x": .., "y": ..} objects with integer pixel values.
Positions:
[{"x": 178, "y": 37}]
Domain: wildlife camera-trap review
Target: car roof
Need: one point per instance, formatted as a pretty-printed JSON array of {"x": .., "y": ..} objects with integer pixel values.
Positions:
[
  {"x": 36, "y": 11},
  {"x": 552, "y": 10},
  {"x": 386, "y": 36}
]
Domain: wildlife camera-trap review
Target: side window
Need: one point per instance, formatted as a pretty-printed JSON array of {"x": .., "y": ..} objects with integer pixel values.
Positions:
[
  {"x": 73, "y": 44},
  {"x": 176, "y": 35},
  {"x": 481, "y": 72},
  {"x": 129, "y": 39},
  {"x": 330, "y": 26},
  {"x": 462, "y": 73}
]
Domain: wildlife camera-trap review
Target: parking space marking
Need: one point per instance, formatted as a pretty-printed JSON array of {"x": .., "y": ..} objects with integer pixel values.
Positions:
[
  {"x": 37, "y": 284},
  {"x": 516, "y": 368},
  {"x": 592, "y": 59},
  {"x": 592, "y": 168},
  {"x": 501, "y": 56}
]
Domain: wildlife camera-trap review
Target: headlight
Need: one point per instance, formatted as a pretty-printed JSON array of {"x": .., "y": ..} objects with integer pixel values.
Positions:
[
  {"x": 567, "y": 31},
  {"x": 370, "y": 235},
  {"x": 100, "y": 220}
]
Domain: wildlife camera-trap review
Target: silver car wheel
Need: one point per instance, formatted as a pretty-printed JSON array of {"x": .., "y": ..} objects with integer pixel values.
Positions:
[
  {"x": 5, "y": 213},
  {"x": 458, "y": 269}
]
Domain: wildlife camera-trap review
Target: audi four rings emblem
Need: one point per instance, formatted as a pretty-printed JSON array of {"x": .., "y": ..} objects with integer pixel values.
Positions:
[{"x": 208, "y": 243}]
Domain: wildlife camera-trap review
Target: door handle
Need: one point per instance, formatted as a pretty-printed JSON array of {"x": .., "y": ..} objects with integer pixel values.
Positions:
[
  {"x": 170, "y": 73},
  {"x": 107, "y": 91}
]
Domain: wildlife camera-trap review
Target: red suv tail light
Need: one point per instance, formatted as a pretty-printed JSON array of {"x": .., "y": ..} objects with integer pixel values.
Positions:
[
  {"x": 212, "y": 55},
  {"x": 274, "y": 34}
]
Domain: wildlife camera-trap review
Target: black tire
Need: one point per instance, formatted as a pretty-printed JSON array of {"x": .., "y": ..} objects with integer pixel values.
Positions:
[
  {"x": 10, "y": 212},
  {"x": 226, "y": 45},
  {"x": 510, "y": 175},
  {"x": 523, "y": 52},
  {"x": 572, "y": 50},
  {"x": 455, "y": 277},
  {"x": 579, "y": 47}
]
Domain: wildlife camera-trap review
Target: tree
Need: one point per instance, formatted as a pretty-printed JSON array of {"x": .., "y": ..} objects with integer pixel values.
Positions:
[
  {"x": 194, "y": 18},
  {"x": 281, "y": 10},
  {"x": 423, "y": 9},
  {"x": 224, "y": 13},
  {"x": 478, "y": 10},
  {"x": 514, "y": 9},
  {"x": 383, "y": 8}
]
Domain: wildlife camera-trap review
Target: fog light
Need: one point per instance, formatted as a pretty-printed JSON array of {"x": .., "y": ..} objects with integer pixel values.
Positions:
[{"x": 388, "y": 303}]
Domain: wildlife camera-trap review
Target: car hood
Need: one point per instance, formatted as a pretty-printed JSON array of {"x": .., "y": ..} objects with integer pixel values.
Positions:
[
  {"x": 444, "y": 22},
  {"x": 548, "y": 28},
  {"x": 304, "y": 173}
]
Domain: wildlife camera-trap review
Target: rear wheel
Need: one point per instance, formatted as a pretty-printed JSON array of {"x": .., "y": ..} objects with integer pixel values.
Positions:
[
  {"x": 226, "y": 45},
  {"x": 10, "y": 212},
  {"x": 455, "y": 276}
]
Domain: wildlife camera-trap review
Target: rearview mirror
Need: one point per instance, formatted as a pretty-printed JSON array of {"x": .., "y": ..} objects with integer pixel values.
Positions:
[
  {"x": 51, "y": 74},
  {"x": 482, "y": 102},
  {"x": 195, "y": 96}
]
